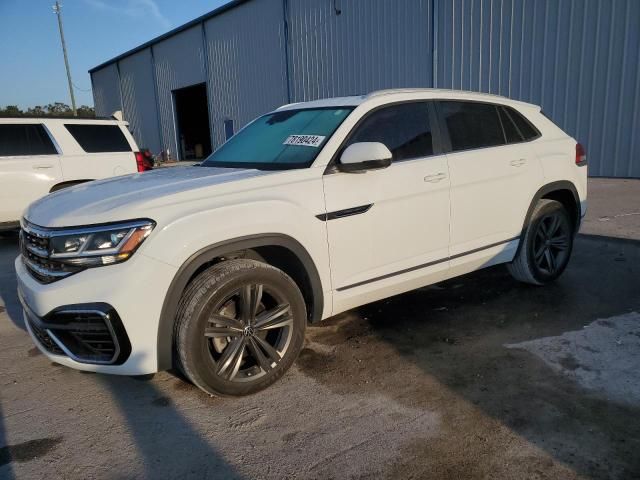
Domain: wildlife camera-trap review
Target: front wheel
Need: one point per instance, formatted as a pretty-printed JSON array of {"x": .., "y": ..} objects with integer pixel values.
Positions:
[
  {"x": 546, "y": 247},
  {"x": 240, "y": 326}
]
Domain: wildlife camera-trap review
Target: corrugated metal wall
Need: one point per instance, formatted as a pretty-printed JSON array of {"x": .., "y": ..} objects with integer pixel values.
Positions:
[
  {"x": 247, "y": 69},
  {"x": 139, "y": 99},
  {"x": 579, "y": 59},
  {"x": 346, "y": 47},
  {"x": 179, "y": 62},
  {"x": 106, "y": 90}
]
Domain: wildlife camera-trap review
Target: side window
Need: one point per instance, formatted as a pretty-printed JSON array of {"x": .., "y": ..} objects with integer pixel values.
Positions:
[
  {"x": 510, "y": 131},
  {"x": 472, "y": 124},
  {"x": 25, "y": 139},
  {"x": 99, "y": 138},
  {"x": 404, "y": 129},
  {"x": 528, "y": 131}
]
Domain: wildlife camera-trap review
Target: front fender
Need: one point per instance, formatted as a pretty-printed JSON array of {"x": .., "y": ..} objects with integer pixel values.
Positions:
[{"x": 191, "y": 241}]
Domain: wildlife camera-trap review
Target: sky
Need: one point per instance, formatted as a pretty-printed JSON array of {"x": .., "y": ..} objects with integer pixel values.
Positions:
[{"x": 31, "y": 63}]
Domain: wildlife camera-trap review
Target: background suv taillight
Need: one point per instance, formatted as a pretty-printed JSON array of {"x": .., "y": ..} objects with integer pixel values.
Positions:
[
  {"x": 144, "y": 161},
  {"x": 581, "y": 155}
]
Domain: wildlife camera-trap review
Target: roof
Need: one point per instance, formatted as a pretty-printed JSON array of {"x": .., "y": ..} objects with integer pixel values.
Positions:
[
  {"x": 171, "y": 33},
  {"x": 64, "y": 119},
  {"x": 407, "y": 93}
]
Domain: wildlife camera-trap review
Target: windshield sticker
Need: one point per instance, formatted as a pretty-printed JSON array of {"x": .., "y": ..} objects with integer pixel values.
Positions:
[{"x": 304, "y": 140}]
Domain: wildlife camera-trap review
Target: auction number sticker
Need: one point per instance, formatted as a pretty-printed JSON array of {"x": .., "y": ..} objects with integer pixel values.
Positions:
[{"x": 304, "y": 140}]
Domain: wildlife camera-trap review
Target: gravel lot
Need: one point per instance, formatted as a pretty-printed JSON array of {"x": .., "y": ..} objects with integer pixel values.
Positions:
[{"x": 478, "y": 377}]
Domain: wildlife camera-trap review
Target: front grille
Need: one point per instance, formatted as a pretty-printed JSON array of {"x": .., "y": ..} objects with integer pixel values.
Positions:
[
  {"x": 87, "y": 336},
  {"x": 43, "y": 337},
  {"x": 87, "y": 333},
  {"x": 34, "y": 247}
]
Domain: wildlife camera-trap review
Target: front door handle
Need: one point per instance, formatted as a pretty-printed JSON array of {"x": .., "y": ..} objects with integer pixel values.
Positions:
[
  {"x": 42, "y": 166},
  {"x": 436, "y": 177},
  {"x": 518, "y": 163}
]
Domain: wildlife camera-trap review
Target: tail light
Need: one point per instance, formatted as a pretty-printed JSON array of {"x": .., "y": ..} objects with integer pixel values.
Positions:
[
  {"x": 143, "y": 161},
  {"x": 581, "y": 155}
]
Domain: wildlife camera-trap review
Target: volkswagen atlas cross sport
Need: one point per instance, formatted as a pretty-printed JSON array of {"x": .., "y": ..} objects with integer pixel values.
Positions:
[{"x": 310, "y": 210}]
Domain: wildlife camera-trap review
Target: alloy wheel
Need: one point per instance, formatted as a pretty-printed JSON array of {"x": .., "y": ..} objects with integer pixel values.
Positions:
[
  {"x": 248, "y": 333},
  {"x": 551, "y": 243}
]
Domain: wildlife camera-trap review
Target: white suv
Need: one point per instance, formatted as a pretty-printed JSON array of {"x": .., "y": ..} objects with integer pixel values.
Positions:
[
  {"x": 308, "y": 211},
  {"x": 42, "y": 155}
]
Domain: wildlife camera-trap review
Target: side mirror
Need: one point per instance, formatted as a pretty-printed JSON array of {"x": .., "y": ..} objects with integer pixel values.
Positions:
[{"x": 363, "y": 156}]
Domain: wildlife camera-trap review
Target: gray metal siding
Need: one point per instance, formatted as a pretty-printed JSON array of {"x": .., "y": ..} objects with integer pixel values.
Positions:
[
  {"x": 578, "y": 59},
  {"x": 179, "y": 62},
  {"x": 368, "y": 45},
  {"x": 247, "y": 71},
  {"x": 139, "y": 99},
  {"x": 106, "y": 91}
]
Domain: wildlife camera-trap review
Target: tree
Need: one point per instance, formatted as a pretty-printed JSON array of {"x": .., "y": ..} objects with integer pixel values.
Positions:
[
  {"x": 86, "y": 111},
  {"x": 56, "y": 109},
  {"x": 11, "y": 111}
]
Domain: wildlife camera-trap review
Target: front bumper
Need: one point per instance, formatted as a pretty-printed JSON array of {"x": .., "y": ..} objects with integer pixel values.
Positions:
[{"x": 102, "y": 319}]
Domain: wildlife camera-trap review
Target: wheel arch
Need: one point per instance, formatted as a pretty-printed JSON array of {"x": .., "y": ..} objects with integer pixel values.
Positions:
[
  {"x": 563, "y": 191},
  {"x": 276, "y": 249}
]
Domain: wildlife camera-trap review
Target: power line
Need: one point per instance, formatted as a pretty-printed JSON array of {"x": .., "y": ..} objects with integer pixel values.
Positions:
[{"x": 80, "y": 89}]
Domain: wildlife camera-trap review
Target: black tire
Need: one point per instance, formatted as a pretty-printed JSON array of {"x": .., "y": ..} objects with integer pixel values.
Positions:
[
  {"x": 546, "y": 247},
  {"x": 254, "y": 318}
]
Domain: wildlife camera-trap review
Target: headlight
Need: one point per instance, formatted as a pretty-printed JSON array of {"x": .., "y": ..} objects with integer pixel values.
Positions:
[{"x": 100, "y": 245}]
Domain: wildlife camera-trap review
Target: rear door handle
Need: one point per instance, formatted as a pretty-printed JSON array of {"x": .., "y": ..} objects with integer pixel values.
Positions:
[
  {"x": 436, "y": 177},
  {"x": 518, "y": 163},
  {"x": 42, "y": 166}
]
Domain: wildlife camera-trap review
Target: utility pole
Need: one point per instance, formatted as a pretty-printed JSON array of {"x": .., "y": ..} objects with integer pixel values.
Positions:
[{"x": 56, "y": 9}]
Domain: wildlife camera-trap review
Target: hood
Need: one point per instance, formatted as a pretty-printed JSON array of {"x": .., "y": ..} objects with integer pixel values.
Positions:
[{"x": 130, "y": 196}]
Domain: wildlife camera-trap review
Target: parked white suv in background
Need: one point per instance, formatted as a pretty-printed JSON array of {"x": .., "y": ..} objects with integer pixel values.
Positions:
[
  {"x": 308, "y": 211},
  {"x": 42, "y": 155}
]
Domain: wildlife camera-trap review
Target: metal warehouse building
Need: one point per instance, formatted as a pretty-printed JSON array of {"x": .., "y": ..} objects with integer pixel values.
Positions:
[{"x": 184, "y": 92}]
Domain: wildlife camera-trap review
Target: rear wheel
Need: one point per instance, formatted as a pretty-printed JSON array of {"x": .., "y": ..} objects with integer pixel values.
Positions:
[
  {"x": 546, "y": 247},
  {"x": 240, "y": 326}
]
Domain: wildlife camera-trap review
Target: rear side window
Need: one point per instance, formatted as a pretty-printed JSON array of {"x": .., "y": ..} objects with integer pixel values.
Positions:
[
  {"x": 528, "y": 131},
  {"x": 404, "y": 129},
  {"x": 25, "y": 139},
  {"x": 99, "y": 138},
  {"x": 472, "y": 125}
]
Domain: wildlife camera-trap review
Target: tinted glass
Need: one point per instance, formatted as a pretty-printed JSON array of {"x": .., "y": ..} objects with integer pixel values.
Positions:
[
  {"x": 25, "y": 139},
  {"x": 280, "y": 140},
  {"x": 510, "y": 130},
  {"x": 99, "y": 138},
  {"x": 472, "y": 125},
  {"x": 527, "y": 130},
  {"x": 404, "y": 129}
]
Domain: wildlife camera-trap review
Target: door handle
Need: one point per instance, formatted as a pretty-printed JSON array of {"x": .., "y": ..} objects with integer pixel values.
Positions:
[
  {"x": 42, "y": 166},
  {"x": 518, "y": 163},
  {"x": 436, "y": 177}
]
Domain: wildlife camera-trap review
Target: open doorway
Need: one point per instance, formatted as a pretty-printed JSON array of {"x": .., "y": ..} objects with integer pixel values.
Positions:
[{"x": 192, "y": 122}]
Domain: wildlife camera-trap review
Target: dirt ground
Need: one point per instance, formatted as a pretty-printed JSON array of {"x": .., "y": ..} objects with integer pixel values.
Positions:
[{"x": 478, "y": 377}]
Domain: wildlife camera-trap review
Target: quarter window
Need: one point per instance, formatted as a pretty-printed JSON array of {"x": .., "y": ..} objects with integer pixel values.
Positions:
[
  {"x": 25, "y": 140},
  {"x": 527, "y": 130},
  {"x": 472, "y": 125},
  {"x": 511, "y": 133},
  {"x": 99, "y": 138},
  {"x": 404, "y": 129}
]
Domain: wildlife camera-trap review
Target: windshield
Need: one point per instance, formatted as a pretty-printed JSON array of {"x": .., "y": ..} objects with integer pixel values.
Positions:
[{"x": 280, "y": 140}]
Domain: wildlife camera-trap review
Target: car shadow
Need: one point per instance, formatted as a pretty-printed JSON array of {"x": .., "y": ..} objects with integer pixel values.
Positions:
[
  {"x": 455, "y": 334},
  {"x": 169, "y": 445},
  {"x": 6, "y": 470},
  {"x": 8, "y": 293}
]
